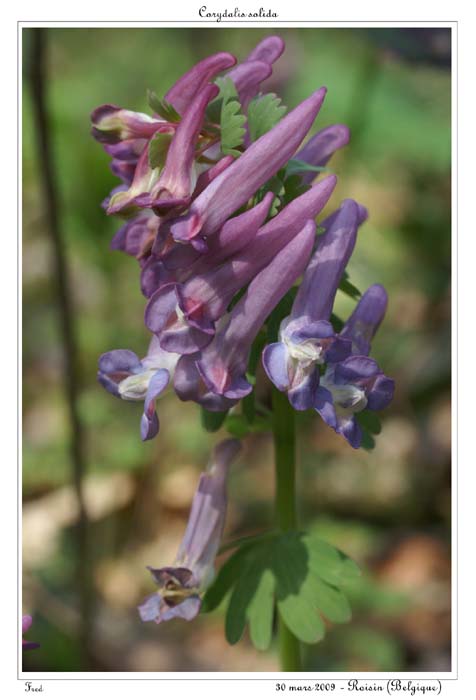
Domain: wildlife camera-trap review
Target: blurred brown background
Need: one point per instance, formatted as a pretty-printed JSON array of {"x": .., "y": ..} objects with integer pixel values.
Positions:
[{"x": 389, "y": 508}]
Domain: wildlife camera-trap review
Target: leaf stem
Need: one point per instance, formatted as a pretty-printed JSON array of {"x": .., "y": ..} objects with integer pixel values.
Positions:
[{"x": 285, "y": 502}]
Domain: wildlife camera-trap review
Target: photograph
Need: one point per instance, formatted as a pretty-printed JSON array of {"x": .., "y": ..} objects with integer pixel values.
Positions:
[{"x": 236, "y": 357}]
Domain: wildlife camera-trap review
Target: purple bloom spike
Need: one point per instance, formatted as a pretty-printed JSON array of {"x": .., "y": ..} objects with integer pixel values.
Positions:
[
  {"x": 251, "y": 170},
  {"x": 180, "y": 586},
  {"x": 268, "y": 50},
  {"x": 183, "y": 316},
  {"x": 319, "y": 149},
  {"x": 184, "y": 91},
  {"x": 25, "y": 626},
  {"x": 223, "y": 363},
  {"x": 357, "y": 383},
  {"x": 306, "y": 338},
  {"x": 175, "y": 186},
  {"x": 112, "y": 124},
  {"x": 125, "y": 376}
]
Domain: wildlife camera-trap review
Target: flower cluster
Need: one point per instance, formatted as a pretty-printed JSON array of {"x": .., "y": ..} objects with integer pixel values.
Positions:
[{"x": 220, "y": 207}]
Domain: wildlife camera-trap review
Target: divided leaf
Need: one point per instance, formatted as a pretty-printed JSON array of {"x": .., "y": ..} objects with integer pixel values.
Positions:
[
  {"x": 264, "y": 112},
  {"x": 232, "y": 127},
  {"x": 300, "y": 166},
  {"x": 163, "y": 108},
  {"x": 298, "y": 573},
  {"x": 348, "y": 288}
]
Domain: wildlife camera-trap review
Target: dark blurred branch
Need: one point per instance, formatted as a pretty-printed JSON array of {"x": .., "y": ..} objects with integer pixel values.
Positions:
[{"x": 37, "y": 74}]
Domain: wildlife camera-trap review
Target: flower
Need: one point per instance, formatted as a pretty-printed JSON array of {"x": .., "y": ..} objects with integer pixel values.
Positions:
[
  {"x": 181, "y": 585},
  {"x": 222, "y": 364},
  {"x": 357, "y": 383},
  {"x": 232, "y": 188},
  {"x": 306, "y": 338},
  {"x": 319, "y": 149},
  {"x": 124, "y": 375},
  {"x": 183, "y": 315},
  {"x": 26, "y": 624}
]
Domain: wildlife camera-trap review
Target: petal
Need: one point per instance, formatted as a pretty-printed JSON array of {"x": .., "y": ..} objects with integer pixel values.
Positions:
[
  {"x": 319, "y": 149},
  {"x": 119, "y": 361},
  {"x": 324, "y": 405},
  {"x": 381, "y": 393},
  {"x": 253, "y": 168},
  {"x": 268, "y": 50},
  {"x": 355, "y": 369},
  {"x": 26, "y": 623},
  {"x": 366, "y": 319},
  {"x": 275, "y": 363},
  {"x": 150, "y": 609},
  {"x": 185, "y": 89},
  {"x": 187, "y": 609},
  {"x": 351, "y": 430},
  {"x": 303, "y": 396}
]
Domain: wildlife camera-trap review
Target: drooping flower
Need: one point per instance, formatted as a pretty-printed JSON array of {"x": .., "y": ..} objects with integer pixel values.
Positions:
[
  {"x": 306, "y": 337},
  {"x": 26, "y": 624},
  {"x": 357, "y": 383},
  {"x": 180, "y": 586},
  {"x": 124, "y": 375}
]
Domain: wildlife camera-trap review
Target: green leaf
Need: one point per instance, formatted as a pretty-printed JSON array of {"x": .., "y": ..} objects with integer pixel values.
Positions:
[
  {"x": 329, "y": 563},
  {"x": 241, "y": 606},
  {"x": 331, "y": 601},
  {"x": 370, "y": 422},
  {"x": 264, "y": 112},
  {"x": 300, "y": 166},
  {"x": 368, "y": 443},
  {"x": 158, "y": 149},
  {"x": 232, "y": 127},
  {"x": 239, "y": 426},
  {"x": 261, "y": 612},
  {"x": 348, "y": 288},
  {"x": 293, "y": 187},
  {"x": 212, "y": 420},
  {"x": 163, "y": 108},
  {"x": 337, "y": 323},
  {"x": 226, "y": 578}
]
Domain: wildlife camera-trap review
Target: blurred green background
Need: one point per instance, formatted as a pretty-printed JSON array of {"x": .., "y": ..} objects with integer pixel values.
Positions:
[{"x": 389, "y": 508}]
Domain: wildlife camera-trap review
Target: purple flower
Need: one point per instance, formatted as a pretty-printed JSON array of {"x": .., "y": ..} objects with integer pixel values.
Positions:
[
  {"x": 137, "y": 234},
  {"x": 222, "y": 364},
  {"x": 124, "y": 375},
  {"x": 357, "y": 383},
  {"x": 184, "y": 315},
  {"x": 319, "y": 149},
  {"x": 184, "y": 91},
  {"x": 112, "y": 124},
  {"x": 230, "y": 190},
  {"x": 174, "y": 188},
  {"x": 26, "y": 624},
  {"x": 180, "y": 586},
  {"x": 306, "y": 338}
]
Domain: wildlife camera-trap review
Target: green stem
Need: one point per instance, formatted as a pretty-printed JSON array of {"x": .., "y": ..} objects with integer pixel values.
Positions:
[{"x": 286, "y": 517}]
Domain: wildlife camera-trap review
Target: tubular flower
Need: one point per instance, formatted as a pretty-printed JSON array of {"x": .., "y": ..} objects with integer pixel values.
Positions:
[
  {"x": 319, "y": 149},
  {"x": 174, "y": 188},
  {"x": 251, "y": 170},
  {"x": 222, "y": 364},
  {"x": 306, "y": 338},
  {"x": 180, "y": 586},
  {"x": 357, "y": 383},
  {"x": 124, "y": 375},
  {"x": 26, "y": 624},
  {"x": 184, "y": 315}
]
